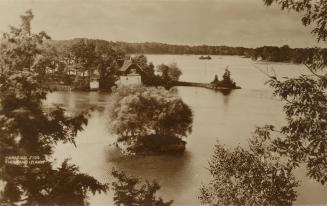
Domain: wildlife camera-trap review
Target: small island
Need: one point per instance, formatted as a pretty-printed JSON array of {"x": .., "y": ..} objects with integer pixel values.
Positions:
[
  {"x": 226, "y": 85},
  {"x": 227, "y": 82},
  {"x": 150, "y": 120}
]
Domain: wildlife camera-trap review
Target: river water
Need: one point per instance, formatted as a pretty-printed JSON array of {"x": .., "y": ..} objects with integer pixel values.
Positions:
[{"x": 229, "y": 119}]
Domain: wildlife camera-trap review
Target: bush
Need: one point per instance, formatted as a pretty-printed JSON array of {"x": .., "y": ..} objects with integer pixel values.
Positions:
[
  {"x": 249, "y": 177},
  {"x": 132, "y": 191}
]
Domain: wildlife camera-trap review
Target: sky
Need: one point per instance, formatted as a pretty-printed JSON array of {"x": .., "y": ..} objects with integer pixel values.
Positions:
[{"x": 247, "y": 23}]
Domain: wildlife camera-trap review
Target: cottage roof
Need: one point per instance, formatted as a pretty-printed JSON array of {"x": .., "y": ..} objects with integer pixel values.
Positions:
[{"x": 127, "y": 64}]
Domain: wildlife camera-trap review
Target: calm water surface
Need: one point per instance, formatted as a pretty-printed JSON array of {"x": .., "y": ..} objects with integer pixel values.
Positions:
[{"x": 230, "y": 119}]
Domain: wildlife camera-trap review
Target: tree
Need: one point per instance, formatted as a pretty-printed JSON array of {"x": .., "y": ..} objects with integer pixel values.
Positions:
[
  {"x": 226, "y": 76},
  {"x": 140, "y": 60},
  {"x": 227, "y": 81},
  {"x": 248, "y": 177},
  {"x": 144, "y": 113},
  {"x": 130, "y": 191},
  {"x": 105, "y": 57},
  {"x": 148, "y": 78},
  {"x": 29, "y": 133},
  {"x": 215, "y": 80},
  {"x": 304, "y": 138},
  {"x": 89, "y": 59},
  {"x": 314, "y": 12},
  {"x": 83, "y": 56},
  {"x": 148, "y": 68},
  {"x": 169, "y": 73},
  {"x": 263, "y": 175}
]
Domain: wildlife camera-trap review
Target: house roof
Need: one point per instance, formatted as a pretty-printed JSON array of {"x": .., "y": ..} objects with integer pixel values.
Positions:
[{"x": 127, "y": 64}]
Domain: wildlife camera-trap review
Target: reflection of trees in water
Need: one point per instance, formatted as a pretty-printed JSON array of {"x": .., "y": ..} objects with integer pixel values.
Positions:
[
  {"x": 226, "y": 92},
  {"x": 172, "y": 172},
  {"x": 226, "y": 96},
  {"x": 79, "y": 101}
]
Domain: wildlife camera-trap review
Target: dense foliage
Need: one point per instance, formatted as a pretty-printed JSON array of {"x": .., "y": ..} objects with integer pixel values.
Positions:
[
  {"x": 140, "y": 112},
  {"x": 248, "y": 177},
  {"x": 267, "y": 53},
  {"x": 149, "y": 77},
  {"x": 226, "y": 82},
  {"x": 169, "y": 73},
  {"x": 82, "y": 59},
  {"x": 161, "y": 48},
  {"x": 304, "y": 138},
  {"x": 283, "y": 54},
  {"x": 130, "y": 191},
  {"x": 263, "y": 174},
  {"x": 163, "y": 75},
  {"x": 29, "y": 133}
]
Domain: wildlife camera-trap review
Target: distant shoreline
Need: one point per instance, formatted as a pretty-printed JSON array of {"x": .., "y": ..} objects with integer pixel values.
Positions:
[{"x": 284, "y": 53}]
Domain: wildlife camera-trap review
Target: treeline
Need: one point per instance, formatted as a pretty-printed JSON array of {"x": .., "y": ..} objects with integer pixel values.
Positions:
[
  {"x": 285, "y": 54},
  {"x": 265, "y": 53},
  {"x": 160, "y": 48}
]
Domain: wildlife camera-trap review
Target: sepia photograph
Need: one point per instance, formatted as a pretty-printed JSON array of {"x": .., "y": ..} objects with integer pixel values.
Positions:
[{"x": 163, "y": 102}]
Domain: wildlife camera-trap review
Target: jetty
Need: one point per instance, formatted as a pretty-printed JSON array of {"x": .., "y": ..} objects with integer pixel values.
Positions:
[
  {"x": 204, "y": 85},
  {"x": 225, "y": 85}
]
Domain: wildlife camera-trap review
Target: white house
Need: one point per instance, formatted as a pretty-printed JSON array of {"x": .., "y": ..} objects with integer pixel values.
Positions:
[{"x": 94, "y": 80}]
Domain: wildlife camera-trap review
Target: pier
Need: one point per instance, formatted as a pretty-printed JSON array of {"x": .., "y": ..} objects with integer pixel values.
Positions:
[{"x": 204, "y": 85}]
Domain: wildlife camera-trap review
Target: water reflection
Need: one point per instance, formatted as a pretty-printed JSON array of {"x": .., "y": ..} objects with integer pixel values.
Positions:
[
  {"x": 78, "y": 101},
  {"x": 171, "y": 171},
  {"x": 226, "y": 92}
]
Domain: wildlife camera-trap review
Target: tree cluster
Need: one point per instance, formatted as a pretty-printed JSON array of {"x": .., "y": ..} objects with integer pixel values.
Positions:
[
  {"x": 163, "y": 75},
  {"x": 80, "y": 59},
  {"x": 226, "y": 82},
  {"x": 284, "y": 54},
  {"x": 249, "y": 177},
  {"x": 161, "y": 48},
  {"x": 130, "y": 191},
  {"x": 263, "y": 174},
  {"x": 303, "y": 139},
  {"x": 268, "y": 53},
  {"x": 30, "y": 132},
  {"x": 148, "y": 115}
]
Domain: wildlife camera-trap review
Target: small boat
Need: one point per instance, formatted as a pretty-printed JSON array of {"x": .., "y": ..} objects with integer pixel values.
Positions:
[{"x": 205, "y": 57}]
